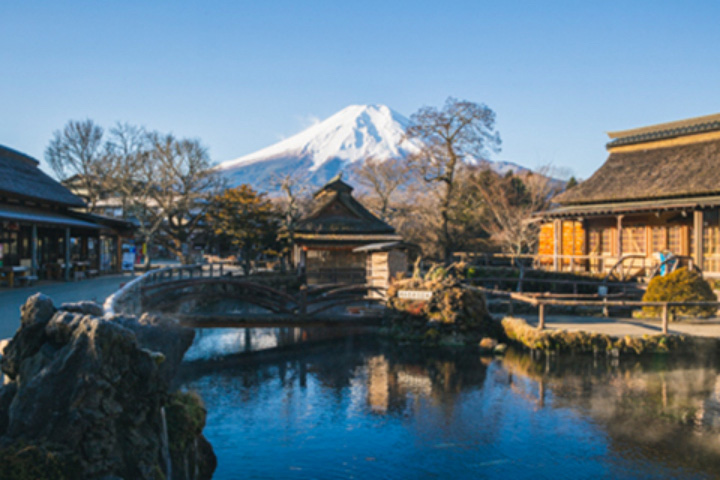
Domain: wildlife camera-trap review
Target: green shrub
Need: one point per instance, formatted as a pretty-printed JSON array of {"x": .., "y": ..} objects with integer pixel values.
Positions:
[{"x": 682, "y": 285}]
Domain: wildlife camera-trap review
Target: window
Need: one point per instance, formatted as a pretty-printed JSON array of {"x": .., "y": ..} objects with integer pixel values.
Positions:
[
  {"x": 599, "y": 241},
  {"x": 674, "y": 243},
  {"x": 711, "y": 242},
  {"x": 606, "y": 242},
  {"x": 633, "y": 240},
  {"x": 659, "y": 238}
]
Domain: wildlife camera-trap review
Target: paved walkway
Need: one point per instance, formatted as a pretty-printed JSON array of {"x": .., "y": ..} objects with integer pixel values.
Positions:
[
  {"x": 96, "y": 289},
  {"x": 620, "y": 327}
]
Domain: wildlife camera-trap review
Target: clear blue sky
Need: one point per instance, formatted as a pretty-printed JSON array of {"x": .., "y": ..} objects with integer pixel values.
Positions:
[{"x": 242, "y": 75}]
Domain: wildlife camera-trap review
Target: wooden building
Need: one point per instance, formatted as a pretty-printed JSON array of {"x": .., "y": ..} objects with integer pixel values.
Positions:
[
  {"x": 42, "y": 232},
  {"x": 340, "y": 241},
  {"x": 658, "y": 192}
]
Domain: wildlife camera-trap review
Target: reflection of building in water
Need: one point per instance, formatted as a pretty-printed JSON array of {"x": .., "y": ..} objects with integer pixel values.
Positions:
[
  {"x": 378, "y": 388},
  {"x": 711, "y": 407},
  {"x": 388, "y": 384},
  {"x": 415, "y": 382}
]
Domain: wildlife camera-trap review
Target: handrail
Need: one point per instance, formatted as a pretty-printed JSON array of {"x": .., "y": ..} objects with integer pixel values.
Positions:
[
  {"x": 130, "y": 291},
  {"x": 129, "y": 299},
  {"x": 542, "y": 302}
]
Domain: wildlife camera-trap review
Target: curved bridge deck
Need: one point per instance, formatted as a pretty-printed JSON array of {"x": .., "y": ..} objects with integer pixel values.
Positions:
[{"x": 277, "y": 297}]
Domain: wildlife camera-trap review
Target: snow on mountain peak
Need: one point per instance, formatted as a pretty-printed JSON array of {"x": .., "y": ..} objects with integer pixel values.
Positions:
[
  {"x": 355, "y": 133},
  {"x": 318, "y": 153}
]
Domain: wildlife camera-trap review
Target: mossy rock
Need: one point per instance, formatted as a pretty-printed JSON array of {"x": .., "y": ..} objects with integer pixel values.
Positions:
[
  {"x": 185, "y": 419},
  {"x": 682, "y": 285},
  {"x": 518, "y": 331},
  {"x": 32, "y": 462},
  {"x": 453, "y": 312}
]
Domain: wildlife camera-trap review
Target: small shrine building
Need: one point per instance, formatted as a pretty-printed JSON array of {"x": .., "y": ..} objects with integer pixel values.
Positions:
[{"x": 340, "y": 241}]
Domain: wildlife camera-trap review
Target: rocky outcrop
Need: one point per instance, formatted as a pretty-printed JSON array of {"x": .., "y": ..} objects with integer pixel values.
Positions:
[
  {"x": 87, "y": 397},
  {"x": 450, "y": 314}
]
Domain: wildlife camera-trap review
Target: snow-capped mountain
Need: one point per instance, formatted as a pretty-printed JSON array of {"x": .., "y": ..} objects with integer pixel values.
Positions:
[{"x": 338, "y": 143}]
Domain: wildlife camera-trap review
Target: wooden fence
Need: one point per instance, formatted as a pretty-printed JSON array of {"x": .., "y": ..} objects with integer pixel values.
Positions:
[{"x": 544, "y": 300}]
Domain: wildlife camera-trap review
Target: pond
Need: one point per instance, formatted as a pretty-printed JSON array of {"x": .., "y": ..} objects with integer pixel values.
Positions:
[{"x": 359, "y": 407}]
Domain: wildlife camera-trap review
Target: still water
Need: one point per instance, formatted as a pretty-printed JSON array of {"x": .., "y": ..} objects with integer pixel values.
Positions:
[{"x": 357, "y": 407}]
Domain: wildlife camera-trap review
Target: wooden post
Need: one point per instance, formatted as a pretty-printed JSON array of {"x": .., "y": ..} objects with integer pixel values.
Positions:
[
  {"x": 67, "y": 254},
  {"x": 33, "y": 248},
  {"x": 572, "y": 250},
  {"x": 698, "y": 230},
  {"x": 619, "y": 236},
  {"x": 303, "y": 305},
  {"x": 557, "y": 250},
  {"x": 665, "y": 318},
  {"x": 541, "y": 316}
]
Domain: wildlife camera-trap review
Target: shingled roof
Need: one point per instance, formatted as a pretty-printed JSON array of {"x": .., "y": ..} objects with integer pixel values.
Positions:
[
  {"x": 335, "y": 211},
  {"x": 20, "y": 177}
]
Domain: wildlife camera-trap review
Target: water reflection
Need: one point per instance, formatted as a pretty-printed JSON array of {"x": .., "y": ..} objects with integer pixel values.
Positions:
[{"x": 357, "y": 407}]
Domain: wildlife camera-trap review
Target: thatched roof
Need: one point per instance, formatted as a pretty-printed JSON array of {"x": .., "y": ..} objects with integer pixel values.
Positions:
[
  {"x": 664, "y": 131},
  {"x": 335, "y": 211},
  {"x": 20, "y": 177},
  {"x": 676, "y": 171}
]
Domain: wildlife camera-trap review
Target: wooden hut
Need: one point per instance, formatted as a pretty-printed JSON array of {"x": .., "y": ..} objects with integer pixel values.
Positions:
[
  {"x": 42, "y": 233},
  {"x": 340, "y": 241},
  {"x": 658, "y": 192}
]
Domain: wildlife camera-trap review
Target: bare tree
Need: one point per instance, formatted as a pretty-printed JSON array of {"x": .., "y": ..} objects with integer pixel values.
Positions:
[
  {"x": 383, "y": 178},
  {"x": 460, "y": 132},
  {"x": 510, "y": 202},
  {"x": 182, "y": 184},
  {"x": 292, "y": 205},
  {"x": 77, "y": 151},
  {"x": 127, "y": 153}
]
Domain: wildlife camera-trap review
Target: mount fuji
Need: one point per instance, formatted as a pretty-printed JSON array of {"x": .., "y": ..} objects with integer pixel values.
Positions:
[{"x": 338, "y": 143}]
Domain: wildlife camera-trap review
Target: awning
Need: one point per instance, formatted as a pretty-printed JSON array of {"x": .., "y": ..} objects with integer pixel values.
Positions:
[{"x": 17, "y": 213}]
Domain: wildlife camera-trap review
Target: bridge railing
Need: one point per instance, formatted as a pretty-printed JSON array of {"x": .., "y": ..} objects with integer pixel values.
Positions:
[{"x": 128, "y": 300}]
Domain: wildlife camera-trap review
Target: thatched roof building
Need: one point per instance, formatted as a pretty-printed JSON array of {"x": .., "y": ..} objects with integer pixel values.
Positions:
[
  {"x": 337, "y": 241},
  {"x": 337, "y": 217},
  {"x": 43, "y": 233},
  {"x": 21, "y": 178},
  {"x": 659, "y": 190}
]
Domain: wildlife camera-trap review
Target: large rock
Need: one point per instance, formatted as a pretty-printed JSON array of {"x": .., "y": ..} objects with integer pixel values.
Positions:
[{"x": 87, "y": 393}]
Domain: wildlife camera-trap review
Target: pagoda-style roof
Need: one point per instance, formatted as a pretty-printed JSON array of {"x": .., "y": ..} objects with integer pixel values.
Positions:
[
  {"x": 21, "y": 178},
  {"x": 666, "y": 161},
  {"x": 337, "y": 216}
]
